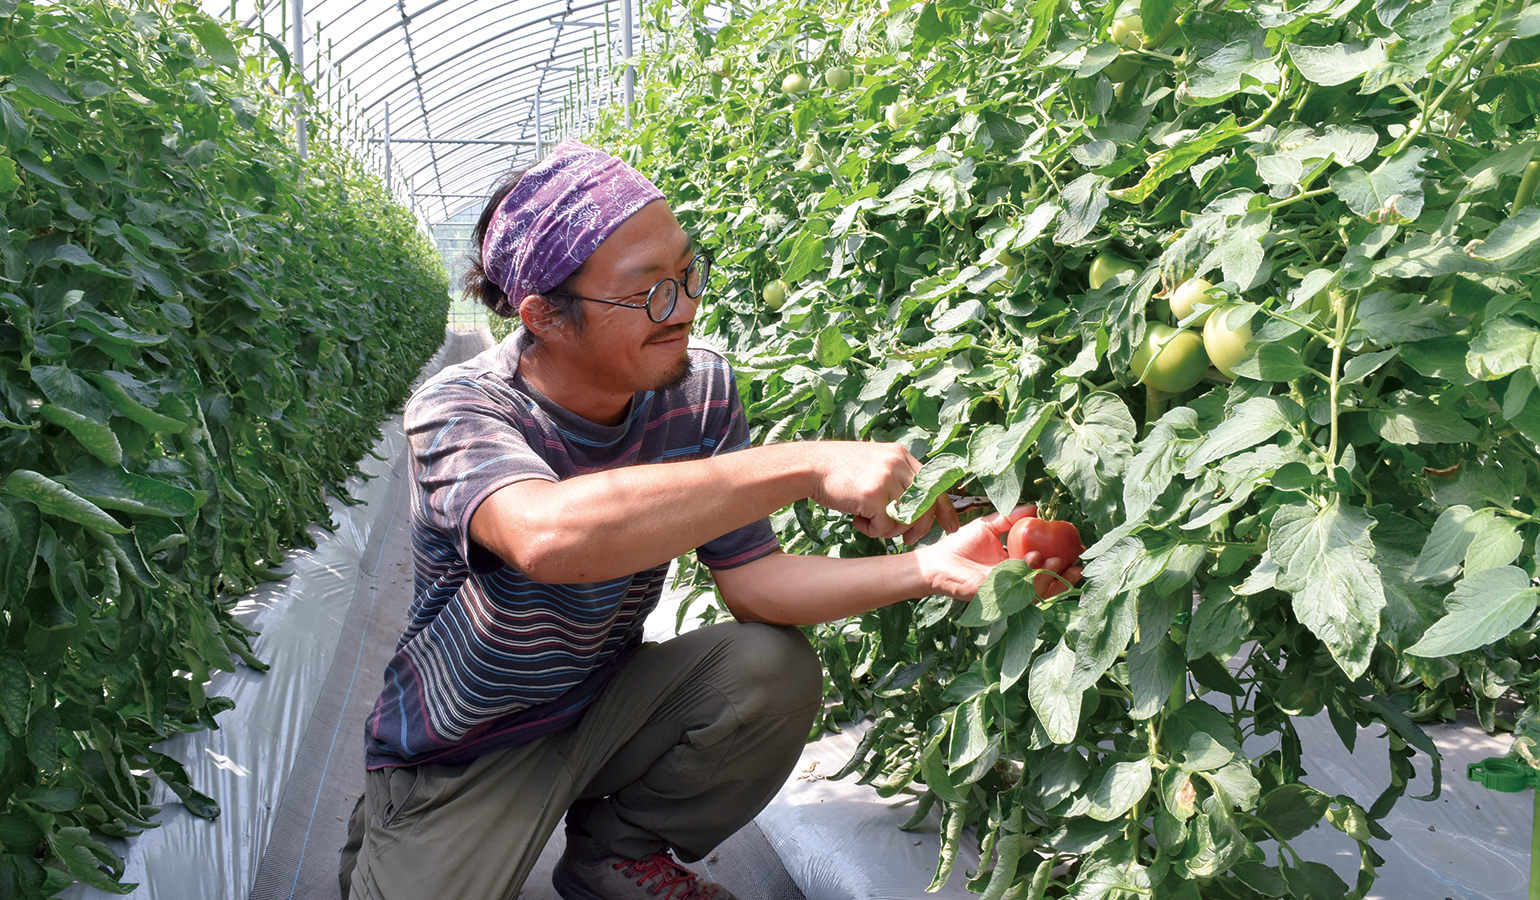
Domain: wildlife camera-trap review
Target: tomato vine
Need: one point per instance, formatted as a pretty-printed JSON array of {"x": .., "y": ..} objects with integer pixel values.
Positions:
[{"x": 1341, "y": 522}]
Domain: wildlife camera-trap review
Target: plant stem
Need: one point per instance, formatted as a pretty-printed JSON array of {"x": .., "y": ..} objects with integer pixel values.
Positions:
[{"x": 1340, "y": 313}]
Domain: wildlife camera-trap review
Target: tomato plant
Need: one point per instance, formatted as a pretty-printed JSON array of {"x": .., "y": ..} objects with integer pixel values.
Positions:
[
  {"x": 1318, "y": 533},
  {"x": 199, "y": 334}
]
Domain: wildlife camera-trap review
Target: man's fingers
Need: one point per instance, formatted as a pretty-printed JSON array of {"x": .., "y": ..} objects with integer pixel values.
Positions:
[
  {"x": 919, "y": 528},
  {"x": 1034, "y": 559},
  {"x": 1047, "y": 584},
  {"x": 881, "y": 527},
  {"x": 945, "y": 514}
]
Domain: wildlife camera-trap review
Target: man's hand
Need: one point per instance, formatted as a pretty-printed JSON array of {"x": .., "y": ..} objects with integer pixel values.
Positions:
[
  {"x": 957, "y": 564},
  {"x": 861, "y": 478}
]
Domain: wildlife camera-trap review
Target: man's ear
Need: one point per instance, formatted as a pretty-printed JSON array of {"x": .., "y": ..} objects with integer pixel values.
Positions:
[{"x": 539, "y": 316}]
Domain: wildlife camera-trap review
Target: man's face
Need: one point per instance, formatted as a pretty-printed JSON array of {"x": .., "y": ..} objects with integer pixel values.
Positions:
[{"x": 621, "y": 347}]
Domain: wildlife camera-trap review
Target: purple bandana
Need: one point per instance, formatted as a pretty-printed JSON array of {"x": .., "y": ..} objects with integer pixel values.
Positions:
[{"x": 556, "y": 216}]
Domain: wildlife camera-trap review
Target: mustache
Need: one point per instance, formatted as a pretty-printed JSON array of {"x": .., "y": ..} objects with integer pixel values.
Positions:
[{"x": 668, "y": 334}]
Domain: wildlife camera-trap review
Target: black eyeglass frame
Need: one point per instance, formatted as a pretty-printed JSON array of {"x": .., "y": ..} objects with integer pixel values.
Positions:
[{"x": 704, "y": 258}]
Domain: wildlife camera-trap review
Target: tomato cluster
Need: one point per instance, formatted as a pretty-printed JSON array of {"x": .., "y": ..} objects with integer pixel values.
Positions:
[{"x": 1174, "y": 358}]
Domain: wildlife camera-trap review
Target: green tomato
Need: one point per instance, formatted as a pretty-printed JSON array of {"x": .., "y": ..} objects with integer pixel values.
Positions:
[
  {"x": 1189, "y": 296},
  {"x": 811, "y": 155},
  {"x": 995, "y": 21},
  {"x": 774, "y": 293},
  {"x": 896, "y": 114},
  {"x": 1224, "y": 344},
  {"x": 1123, "y": 68},
  {"x": 838, "y": 78},
  {"x": 1170, "y": 359},
  {"x": 1127, "y": 31},
  {"x": 794, "y": 83},
  {"x": 1006, "y": 283},
  {"x": 1107, "y": 266}
]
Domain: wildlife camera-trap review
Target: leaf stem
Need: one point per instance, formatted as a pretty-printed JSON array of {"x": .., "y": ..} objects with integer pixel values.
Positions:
[{"x": 1305, "y": 195}]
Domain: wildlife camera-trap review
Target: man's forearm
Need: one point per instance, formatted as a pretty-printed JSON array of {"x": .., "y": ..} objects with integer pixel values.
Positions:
[
  {"x": 788, "y": 589},
  {"x": 619, "y": 521}
]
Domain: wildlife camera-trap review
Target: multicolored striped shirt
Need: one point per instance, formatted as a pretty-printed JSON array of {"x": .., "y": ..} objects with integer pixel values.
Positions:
[{"x": 490, "y": 658}]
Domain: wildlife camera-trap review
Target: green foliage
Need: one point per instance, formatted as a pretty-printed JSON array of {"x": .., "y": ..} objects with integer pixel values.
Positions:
[
  {"x": 1347, "y": 525},
  {"x": 199, "y": 332}
]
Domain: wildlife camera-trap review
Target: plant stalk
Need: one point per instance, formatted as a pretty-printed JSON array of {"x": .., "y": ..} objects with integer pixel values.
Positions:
[{"x": 1339, "y": 312}]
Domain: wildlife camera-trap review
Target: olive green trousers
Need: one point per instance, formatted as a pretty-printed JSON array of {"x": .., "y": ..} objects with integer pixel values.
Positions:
[{"x": 687, "y": 743}]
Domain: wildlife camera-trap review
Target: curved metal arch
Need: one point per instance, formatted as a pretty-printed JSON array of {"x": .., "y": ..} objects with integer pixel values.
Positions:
[
  {"x": 550, "y": 56},
  {"x": 552, "y": 63},
  {"x": 467, "y": 69}
]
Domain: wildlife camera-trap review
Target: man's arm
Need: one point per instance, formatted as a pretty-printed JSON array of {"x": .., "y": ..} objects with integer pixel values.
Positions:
[
  {"x": 787, "y": 589},
  {"x": 619, "y": 521}
]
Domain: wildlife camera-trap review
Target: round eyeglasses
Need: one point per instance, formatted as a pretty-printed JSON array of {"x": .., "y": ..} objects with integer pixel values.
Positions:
[{"x": 664, "y": 295}]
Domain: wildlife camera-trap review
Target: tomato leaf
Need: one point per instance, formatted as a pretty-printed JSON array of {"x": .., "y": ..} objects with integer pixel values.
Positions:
[
  {"x": 1325, "y": 561},
  {"x": 1159, "y": 460},
  {"x": 1154, "y": 670},
  {"x": 1418, "y": 421},
  {"x": 1292, "y": 809},
  {"x": 1088, "y": 450},
  {"x": 1504, "y": 345},
  {"x": 1387, "y": 318},
  {"x": 1482, "y": 608},
  {"x": 937, "y": 475},
  {"x": 1337, "y": 63},
  {"x": 1253, "y": 422},
  {"x": 1084, "y": 200},
  {"x": 1050, "y": 692},
  {"x": 15, "y": 694},
  {"x": 1229, "y": 70},
  {"x": 1163, "y": 164},
  {"x": 1200, "y": 738},
  {"x": 1019, "y": 643},
  {"x": 1006, "y": 590},
  {"x": 1121, "y": 786},
  {"x": 1392, "y": 193},
  {"x": 993, "y": 451}
]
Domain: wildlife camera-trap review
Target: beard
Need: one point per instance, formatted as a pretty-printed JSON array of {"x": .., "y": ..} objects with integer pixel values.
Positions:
[{"x": 674, "y": 377}]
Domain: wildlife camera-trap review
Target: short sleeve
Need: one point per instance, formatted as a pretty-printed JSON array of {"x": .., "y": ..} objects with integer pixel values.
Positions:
[
  {"x": 464, "y": 446},
  {"x": 757, "y": 539}
]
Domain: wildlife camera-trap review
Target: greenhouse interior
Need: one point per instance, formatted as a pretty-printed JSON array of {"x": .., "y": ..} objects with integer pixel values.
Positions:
[{"x": 1132, "y": 405}]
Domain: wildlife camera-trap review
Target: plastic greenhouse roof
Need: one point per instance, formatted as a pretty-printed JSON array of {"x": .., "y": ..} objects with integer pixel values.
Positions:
[{"x": 461, "y": 83}]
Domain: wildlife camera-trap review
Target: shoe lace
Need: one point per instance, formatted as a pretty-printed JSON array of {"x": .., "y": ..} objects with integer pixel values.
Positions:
[{"x": 669, "y": 874}]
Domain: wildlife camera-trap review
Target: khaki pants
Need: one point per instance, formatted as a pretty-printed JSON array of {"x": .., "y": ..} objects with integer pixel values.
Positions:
[{"x": 687, "y": 744}]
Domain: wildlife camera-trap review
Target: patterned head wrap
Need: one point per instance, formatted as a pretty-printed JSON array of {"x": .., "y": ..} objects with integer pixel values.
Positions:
[{"x": 558, "y": 213}]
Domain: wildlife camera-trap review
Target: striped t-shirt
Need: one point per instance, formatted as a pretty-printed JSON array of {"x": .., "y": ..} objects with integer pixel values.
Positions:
[{"x": 489, "y": 658}]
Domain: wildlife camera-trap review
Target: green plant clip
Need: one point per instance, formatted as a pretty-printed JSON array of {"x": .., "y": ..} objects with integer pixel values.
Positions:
[
  {"x": 1502, "y": 773},
  {"x": 1510, "y": 776}
]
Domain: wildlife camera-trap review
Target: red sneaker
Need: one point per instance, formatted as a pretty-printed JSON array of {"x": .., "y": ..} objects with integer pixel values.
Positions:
[{"x": 658, "y": 877}]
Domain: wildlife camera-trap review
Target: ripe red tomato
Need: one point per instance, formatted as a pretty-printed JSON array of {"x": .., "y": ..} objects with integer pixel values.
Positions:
[{"x": 1053, "y": 539}]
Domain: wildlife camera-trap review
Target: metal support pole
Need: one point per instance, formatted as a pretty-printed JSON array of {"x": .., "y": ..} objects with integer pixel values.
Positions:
[
  {"x": 539, "y": 127},
  {"x": 627, "y": 24},
  {"x": 298, "y": 32},
  {"x": 387, "y": 146}
]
